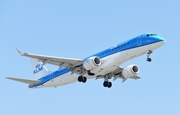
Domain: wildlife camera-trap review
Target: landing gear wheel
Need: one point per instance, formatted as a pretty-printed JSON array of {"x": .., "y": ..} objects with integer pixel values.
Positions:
[
  {"x": 148, "y": 55},
  {"x": 109, "y": 85},
  {"x": 105, "y": 84},
  {"x": 80, "y": 78},
  {"x": 84, "y": 79},
  {"x": 149, "y": 59}
]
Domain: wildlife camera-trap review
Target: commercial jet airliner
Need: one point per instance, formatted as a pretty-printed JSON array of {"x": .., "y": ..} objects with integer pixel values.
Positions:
[{"x": 105, "y": 64}]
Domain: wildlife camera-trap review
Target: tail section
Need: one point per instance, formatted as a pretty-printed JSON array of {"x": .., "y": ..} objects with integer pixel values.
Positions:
[{"x": 39, "y": 70}]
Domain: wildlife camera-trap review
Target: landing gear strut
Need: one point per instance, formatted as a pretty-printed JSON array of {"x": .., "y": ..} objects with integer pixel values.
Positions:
[
  {"x": 148, "y": 54},
  {"x": 82, "y": 79}
]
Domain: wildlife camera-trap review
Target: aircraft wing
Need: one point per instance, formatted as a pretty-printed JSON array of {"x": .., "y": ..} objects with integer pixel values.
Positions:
[
  {"x": 27, "y": 81},
  {"x": 59, "y": 61}
]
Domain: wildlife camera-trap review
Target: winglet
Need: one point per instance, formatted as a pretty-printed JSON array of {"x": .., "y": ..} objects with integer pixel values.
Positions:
[{"x": 21, "y": 53}]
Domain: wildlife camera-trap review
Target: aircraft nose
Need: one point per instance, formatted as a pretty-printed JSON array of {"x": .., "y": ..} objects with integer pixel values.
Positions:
[{"x": 159, "y": 41}]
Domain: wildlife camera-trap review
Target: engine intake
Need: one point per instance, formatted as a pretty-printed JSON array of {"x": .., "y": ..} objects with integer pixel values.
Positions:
[
  {"x": 130, "y": 71},
  {"x": 92, "y": 63}
]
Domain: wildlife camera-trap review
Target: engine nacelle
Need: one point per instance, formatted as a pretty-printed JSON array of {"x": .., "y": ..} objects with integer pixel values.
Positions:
[
  {"x": 92, "y": 63},
  {"x": 130, "y": 71}
]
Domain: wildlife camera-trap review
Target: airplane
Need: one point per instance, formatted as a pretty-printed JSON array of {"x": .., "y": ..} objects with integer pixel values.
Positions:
[{"x": 104, "y": 65}]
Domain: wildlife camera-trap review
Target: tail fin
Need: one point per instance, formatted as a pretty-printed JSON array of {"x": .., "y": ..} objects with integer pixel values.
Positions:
[{"x": 39, "y": 70}]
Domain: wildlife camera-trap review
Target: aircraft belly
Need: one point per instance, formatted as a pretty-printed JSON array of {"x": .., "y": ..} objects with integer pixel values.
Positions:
[
  {"x": 67, "y": 79},
  {"x": 61, "y": 80}
]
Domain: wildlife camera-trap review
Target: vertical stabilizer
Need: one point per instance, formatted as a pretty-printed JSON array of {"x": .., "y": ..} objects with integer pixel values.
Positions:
[{"x": 39, "y": 70}]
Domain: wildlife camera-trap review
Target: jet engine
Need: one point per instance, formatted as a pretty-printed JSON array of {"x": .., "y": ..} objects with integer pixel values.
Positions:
[
  {"x": 130, "y": 71},
  {"x": 92, "y": 63}
]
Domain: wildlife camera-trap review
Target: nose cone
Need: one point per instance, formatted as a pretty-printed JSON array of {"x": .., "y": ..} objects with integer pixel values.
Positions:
[
  {"x": 159, "y": 41},
  {"x": 160, "y": 38}
]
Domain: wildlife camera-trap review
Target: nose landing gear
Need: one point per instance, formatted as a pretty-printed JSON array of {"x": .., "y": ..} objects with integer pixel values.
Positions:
[{"x": 148, "y": 54}]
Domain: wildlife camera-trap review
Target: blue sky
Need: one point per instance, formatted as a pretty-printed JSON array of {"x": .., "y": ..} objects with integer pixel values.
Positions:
[{"x": 77, "y": 29}]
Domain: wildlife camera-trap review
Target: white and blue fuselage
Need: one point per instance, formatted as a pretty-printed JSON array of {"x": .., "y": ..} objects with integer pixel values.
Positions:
[{"x": 111, "y": 59}]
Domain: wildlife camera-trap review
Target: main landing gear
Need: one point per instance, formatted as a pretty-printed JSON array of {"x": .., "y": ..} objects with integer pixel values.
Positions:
[
  {"x": 106, "y": 81},
  {"x": 82, "y": 79},
  {"x": 148, "y": 54},
  {"x": 107, "y": 84}
]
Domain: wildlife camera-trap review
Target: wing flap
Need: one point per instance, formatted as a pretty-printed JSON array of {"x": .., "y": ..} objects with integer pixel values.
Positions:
[
  {"x": 27, "y": 81},
  {"x": 135, "y": 77}
]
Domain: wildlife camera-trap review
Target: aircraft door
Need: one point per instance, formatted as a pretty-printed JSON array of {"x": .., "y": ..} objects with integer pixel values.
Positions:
[{"x": 139, "y": 41}]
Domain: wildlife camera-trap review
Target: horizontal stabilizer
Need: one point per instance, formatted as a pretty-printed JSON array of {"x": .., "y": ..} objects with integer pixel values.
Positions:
[{"x": 27, "y": 81}]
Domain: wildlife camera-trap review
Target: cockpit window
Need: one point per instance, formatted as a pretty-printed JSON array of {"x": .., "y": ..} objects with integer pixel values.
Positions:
[{"x": 151, "y": 35}]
